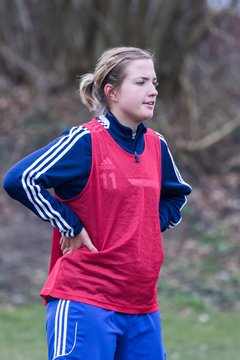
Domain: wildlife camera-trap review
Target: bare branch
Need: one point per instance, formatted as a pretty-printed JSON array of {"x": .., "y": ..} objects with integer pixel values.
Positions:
[
  {"x": 222, "y": 34},
  {"x": 24, "y": 15},
  {"x": 33, "y": 73},
  {"x": 211, "y": 138}
]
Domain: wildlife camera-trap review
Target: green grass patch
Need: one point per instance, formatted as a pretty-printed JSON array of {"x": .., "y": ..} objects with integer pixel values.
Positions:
[
  {"x": 194, "y": 335},
  {"x": 22, "y": 333},
  {"x": 190, "y": 332}
]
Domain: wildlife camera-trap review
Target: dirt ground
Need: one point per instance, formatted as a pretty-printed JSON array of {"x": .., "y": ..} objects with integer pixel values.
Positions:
[{"x": 25, "y": 248}]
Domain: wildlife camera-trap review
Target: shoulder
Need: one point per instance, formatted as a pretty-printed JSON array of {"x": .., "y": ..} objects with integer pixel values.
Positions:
[
  {"x": 75, "y": 132},
  {"x": 158, "y": 137},
  {"x": 77, "y": 135},
  {"x": 73, "y": 140},
  {"x": 97, "y": 125},
  {"x": 163, "y": 143},
  {"x": 151, "y": 133}
]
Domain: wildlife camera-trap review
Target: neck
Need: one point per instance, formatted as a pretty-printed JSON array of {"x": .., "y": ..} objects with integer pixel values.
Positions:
[{"x": 133, "y": 125}]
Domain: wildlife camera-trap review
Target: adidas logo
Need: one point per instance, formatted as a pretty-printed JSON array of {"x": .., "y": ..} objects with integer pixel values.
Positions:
[{"x": 107, "y": 164}]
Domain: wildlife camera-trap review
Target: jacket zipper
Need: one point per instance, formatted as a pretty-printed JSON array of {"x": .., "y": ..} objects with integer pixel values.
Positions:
[{"x": 137, "y": 159}]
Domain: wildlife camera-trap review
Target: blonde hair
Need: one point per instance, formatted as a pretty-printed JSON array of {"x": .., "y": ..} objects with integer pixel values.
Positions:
[{"x": 110, "y": 69}]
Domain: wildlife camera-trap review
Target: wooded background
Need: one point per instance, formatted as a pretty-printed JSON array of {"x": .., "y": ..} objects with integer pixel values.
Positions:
[{"x": 46, "y": 45}]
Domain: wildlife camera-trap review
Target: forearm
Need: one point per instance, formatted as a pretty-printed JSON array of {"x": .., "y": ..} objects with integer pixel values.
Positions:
[
  {"x": 174, "y": 191},
  {"x": 170, "y": 211}
]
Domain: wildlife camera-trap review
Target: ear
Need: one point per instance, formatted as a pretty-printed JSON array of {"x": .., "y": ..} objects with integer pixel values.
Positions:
[{"x": 110, "y": 92}]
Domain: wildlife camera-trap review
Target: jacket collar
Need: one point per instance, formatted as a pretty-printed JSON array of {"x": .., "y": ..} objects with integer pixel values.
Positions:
[{"x": 110, "y": 122}]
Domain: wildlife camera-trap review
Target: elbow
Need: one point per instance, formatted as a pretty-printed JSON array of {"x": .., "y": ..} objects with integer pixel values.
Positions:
[
  {"x": 8, "y": 183},
  {"x": 12, "y": 184}
]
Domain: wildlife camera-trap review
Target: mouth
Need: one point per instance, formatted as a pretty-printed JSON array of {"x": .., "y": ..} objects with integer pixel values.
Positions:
[{"x": 150, "y": 103}]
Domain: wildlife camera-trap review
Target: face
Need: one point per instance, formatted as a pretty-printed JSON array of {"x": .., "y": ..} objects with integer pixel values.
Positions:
[{"x": 135, "y": 100}]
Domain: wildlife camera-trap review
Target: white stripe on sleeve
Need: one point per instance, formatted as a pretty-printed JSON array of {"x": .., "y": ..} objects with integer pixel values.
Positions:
[
  {"x": 178, "y": 176},
  {"x": 39, "y": 167}
]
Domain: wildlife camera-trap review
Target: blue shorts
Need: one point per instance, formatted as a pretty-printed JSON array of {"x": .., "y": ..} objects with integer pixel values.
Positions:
[{"x": 78, "y": 331}]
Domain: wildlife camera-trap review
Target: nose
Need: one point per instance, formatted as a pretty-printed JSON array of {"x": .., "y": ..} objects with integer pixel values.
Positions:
[{"x": 153, "y": 90}]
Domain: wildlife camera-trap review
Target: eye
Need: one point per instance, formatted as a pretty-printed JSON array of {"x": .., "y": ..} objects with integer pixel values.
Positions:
[
  {"x": 140, "y": 82},
  {"x": 156, "y": 84}
]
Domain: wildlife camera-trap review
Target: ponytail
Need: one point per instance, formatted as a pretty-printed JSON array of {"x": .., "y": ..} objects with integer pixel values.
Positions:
[{"x": 86, "y": 92}]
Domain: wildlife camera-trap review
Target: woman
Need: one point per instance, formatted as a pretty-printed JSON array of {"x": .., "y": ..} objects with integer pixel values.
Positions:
[{"x": 117, "y": 187}]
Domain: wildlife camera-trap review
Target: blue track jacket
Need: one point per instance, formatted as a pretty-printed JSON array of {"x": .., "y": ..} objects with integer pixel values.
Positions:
[{"x": 65, "y": 165}]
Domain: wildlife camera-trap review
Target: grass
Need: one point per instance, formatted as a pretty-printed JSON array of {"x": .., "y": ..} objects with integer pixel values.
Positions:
[
  {"x": 22, "y": 333},
  {"x": 189, "y": 333}
]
